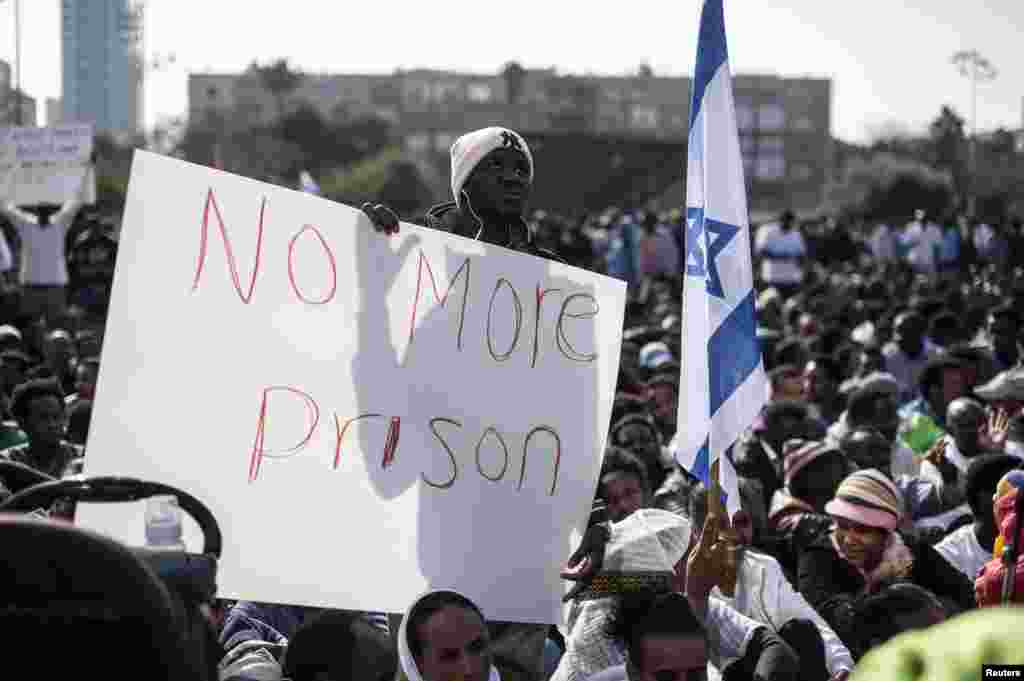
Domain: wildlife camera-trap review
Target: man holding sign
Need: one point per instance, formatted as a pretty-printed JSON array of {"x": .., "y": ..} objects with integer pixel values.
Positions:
[
  {"x": 455, "y": 444},
  {"x": 492, "y": 173}
]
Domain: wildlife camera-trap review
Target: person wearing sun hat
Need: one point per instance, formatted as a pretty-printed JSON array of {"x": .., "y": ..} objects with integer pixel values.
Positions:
[
  {"x": 865, "y": 550},
  {"x": 492, "y": 174}
]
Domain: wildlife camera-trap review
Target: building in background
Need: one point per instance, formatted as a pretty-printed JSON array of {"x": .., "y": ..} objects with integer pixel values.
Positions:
[
  {"x": 1020, "y": 132},
  {"x": 54, "y": 111},
  {"x": 103, "y": 64},
  {"x": 11, "y": 100},
  {"x": 785, "y": 123}
]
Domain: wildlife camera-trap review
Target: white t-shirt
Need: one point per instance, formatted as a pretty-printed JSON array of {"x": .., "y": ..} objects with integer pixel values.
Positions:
[
  {"x": 43, "y": 261},
  {"x": 924, "y": 240},
  {"x": 962, "y": 550},
  {"x": 771, "y": 240}
]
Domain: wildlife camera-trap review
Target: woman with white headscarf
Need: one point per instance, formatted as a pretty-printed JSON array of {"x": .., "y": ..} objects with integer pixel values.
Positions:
[{"x": 444, "y": 637}]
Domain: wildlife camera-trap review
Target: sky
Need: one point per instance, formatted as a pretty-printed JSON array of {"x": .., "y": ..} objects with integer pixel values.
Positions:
[{"x": 889, "y": 61}]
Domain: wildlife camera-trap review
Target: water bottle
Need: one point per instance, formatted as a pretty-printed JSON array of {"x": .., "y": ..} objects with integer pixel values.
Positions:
[{"x": 163, "y": 523}]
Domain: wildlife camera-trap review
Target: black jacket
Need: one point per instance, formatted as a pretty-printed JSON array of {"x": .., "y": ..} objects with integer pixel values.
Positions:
[
  {"x": 447, "y": 217},
  {"x": 751, "y": 461},
  {"x": 832, "y": 585}
]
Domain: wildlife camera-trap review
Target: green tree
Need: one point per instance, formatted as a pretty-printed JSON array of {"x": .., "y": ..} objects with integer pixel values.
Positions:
[
  {"x": 948, "y": 146},
  {"x": 389, "y": 177},
  {"x": 887, "y": 187},
  {"x": 113, "y": 168},
  {"x": 1001, "y": 142},
  {"x": 514, "y": 75},
  {"x": 280, "y": 81},
  {"x": 325, "y": 145},
  {"x": 998, "y": 182},
  {"x": 312, "y": 135}
]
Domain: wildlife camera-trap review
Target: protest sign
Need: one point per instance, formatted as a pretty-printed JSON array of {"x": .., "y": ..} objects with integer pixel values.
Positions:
[
  {"x": 45, "y": 165},
  {"x": 366, "y": 416}
]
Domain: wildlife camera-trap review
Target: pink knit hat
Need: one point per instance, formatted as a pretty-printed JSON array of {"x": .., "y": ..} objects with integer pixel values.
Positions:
[{"x": 870, "y": 498}]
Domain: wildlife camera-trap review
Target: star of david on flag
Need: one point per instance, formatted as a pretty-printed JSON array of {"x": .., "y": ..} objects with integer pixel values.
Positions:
[{"x": 722, "y": 385}]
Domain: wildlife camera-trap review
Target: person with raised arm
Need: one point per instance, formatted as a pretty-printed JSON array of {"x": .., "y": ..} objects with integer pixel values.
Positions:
[{"x": 43, "y": 232}]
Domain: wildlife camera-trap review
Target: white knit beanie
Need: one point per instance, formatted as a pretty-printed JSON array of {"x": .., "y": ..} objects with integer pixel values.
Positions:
[{"x": 470, "y": 149}]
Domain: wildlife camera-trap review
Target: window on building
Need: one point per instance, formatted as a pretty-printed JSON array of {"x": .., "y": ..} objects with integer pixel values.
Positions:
[
  {"x": 479, "y": 92},
  {"x": 748, "y": 146},
  {"x": 770, "y": 146},
  {"x": 442, "y": 92},
  {"x": 803, "y": 124},
  {"x": 770, "y": 168},
  {"x": 645, "y": 117},
  {"x": 771, "y": 116},
  {"x": 419, "y": 92},
  {"x": 801, "y": 172},
  {"x": 744, "y": 116}
]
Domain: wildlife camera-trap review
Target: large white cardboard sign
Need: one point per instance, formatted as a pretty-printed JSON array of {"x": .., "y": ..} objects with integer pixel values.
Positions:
[
  {"x": 45, "y": 165},
  {"x": 366, "y": 416}
]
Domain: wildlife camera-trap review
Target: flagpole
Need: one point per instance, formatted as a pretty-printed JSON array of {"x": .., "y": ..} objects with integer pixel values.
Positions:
[
  {"x": 722, "y": 379},
  {"x": 18, "y": 120},
  {"x": 715, "y": 492}
]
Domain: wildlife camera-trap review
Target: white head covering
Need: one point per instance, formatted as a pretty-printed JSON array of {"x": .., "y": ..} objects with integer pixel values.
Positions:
[
  {"x": 648, "y": 540},
  {"x": 407, "y": 669},
  {"x": 9, "y": 330},
  {"x": 470, "y": 149}
]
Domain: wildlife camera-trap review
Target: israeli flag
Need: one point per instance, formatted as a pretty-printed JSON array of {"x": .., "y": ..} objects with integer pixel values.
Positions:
[{"x": 722, "y": 386}]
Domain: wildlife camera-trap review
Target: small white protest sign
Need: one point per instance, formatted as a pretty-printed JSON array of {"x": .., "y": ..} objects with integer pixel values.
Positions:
[
  {"x": 366, "y": 416},
  {"x": 45, "y": 165}
]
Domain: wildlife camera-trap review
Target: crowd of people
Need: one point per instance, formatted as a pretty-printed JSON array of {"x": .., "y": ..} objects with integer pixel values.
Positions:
[{"x": 878, "y": 485}]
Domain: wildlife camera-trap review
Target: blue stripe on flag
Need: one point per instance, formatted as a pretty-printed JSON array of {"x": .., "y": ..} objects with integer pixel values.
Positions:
[
  {"x": 711, "y": 53},
  {"x": 733, "y": 352},
  {"x": 723, "y": 234},
  {"x": 701, "y": 468}
]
